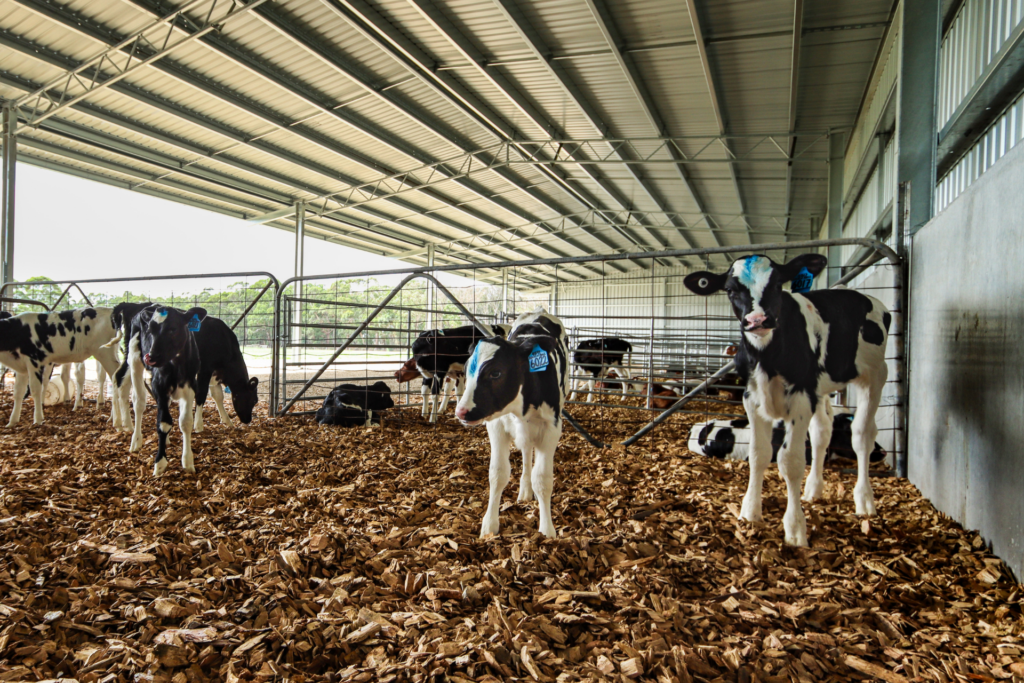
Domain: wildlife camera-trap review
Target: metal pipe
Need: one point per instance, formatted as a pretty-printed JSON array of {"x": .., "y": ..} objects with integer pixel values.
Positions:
[
  {"x": 444, "y": 290},
  {"x": 430, "y": 290},
  {"x": 9, "y": 124},
  {"x": 670, "y": 253},
  {"x": 68, "y": 289},
  {"x": 251, "y": 305}
]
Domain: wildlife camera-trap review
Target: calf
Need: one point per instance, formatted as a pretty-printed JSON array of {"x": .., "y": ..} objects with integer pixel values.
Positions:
[
  {"x": 221, "y": 364},
  {"x": 517, "y": 386},
  {"x": 796, "y": 349},
  {"x": 730, "y": 439},
  {"x": 159, "y": 339},
  {"x": 30, "y": 343},
  {"x": 598, "y": 357},
  {"x": 438, "y": 353},
  {"x": 350, "y": 405}
]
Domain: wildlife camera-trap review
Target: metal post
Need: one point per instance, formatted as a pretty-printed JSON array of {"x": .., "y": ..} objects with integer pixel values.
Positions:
[
  {"x": 430, "y": 289},
  {"x": 300, "y": 257},
  {"x": 504, "y": 294},
  {"x": 836, "y": 153},
  {"x": 650, "y": 366},
  {"x": 10, "y": 158},
  {"x": 916, "y": 119}
]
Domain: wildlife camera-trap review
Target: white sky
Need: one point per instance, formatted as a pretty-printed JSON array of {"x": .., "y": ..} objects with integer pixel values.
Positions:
[{"x": 71, "y": 228}]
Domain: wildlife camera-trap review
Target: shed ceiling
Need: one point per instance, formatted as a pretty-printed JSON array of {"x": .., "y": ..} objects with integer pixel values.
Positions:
[{"x": 494, "y": 129}]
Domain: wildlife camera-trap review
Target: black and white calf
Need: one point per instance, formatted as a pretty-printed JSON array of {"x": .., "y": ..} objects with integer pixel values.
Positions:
[
  {"x": 221, "y": 365},
  {"x": 159, "y": 339},
  {"x": 30, "y": 343},
  {"x": 795, "y": 350},
  {"x": 517, "y": 386},
  {"x": 730, "y": 440},
  {"x": 439, "y": 353},
  {"x": 352, "y": 405},
  {"x": 597, "y": 357}
]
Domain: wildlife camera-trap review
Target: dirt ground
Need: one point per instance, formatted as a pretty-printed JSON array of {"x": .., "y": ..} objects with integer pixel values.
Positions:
[{"x": 300, "y": 553}]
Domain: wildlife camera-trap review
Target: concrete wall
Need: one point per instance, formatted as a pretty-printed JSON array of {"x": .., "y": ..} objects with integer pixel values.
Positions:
[{"x": 966, "y": 433}]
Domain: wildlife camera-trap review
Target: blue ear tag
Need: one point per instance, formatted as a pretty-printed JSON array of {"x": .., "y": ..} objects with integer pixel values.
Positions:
[
  {"x": 194, "y": 323},
  {"x": 538, "y": 359},
  {"x": 227, "y": 389},
  {"x": 802, "y": 282}
]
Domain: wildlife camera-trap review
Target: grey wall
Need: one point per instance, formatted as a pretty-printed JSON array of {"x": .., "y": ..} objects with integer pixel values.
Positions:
[{"x": 966, "y": 431}]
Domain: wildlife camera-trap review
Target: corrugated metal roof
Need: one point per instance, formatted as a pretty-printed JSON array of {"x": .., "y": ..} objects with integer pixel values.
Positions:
[{"x": 305, "y": 99}]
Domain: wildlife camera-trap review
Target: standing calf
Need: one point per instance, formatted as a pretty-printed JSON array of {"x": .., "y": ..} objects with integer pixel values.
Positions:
[
  {"x": 438, "y": 354},
  {"x": 517, "y": 386},
  {"x": 159, "y": 339},
  {"x": 795, "y": 350},
  {"x": 598, "y": 357},
  {"x": 32, "y": 342}
]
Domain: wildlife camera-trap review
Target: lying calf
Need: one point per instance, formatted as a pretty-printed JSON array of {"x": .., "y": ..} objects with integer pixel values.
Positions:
[
  {"x": 517, "y": 386},
  {"x": 351, "y": 405},
  {"x": 730, "y": 440}
]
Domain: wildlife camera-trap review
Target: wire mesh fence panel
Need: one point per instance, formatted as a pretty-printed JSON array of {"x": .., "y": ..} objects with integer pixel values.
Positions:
[
  {"x": 656, "y": 342},
  {"x": 242, "y": 300}
]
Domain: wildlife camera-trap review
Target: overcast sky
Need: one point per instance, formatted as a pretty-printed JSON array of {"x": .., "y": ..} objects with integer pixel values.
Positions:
[{"x": 70, "y": 228}]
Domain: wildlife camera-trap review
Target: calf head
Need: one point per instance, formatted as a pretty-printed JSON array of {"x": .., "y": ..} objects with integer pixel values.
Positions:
[
  {"x": 165, "y": 333},
  {"x": 407, "y": 372},
  {"x": 494, "y": 379},
  {"x": 754, "y": 286},
  {"x": 245, "y": 400}
]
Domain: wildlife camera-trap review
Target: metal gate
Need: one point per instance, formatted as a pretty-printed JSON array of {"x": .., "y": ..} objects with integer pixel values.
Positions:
[
  {"x": 358, "y": 327},
  {"x": 244, "y": 300}
]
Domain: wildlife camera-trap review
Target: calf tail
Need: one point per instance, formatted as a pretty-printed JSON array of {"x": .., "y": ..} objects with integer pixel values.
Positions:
[{"x": 117, "y": 338}]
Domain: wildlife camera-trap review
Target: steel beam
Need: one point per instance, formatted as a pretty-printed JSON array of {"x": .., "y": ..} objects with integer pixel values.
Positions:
[
  {"x": 916, "y": 123},
  {"x": 133, "y": 52},
  {"x": 702, "y": 50},
  {"x": 8, "y": 130},
  {"x": 794, "y": 83},
  {"x": 440, "y": 23},
  {"x": 533, "y": 40},
  {"x": 300, "y": 262},
  {"x": 386, "y": 37},
  {"x": 837, "y": 150}
]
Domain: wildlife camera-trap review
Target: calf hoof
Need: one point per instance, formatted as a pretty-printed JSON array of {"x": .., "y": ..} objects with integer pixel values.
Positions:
[
  {"x": 197, "y": 430},
  {"x": 159, "y": 467},
  {"x": 750, "y": 512},
  {"x": 548, "y": 530},
  {"x": 813, "y": 490},
  {"x": 489, "y": 527},
  {"x": 190, "y": 469},
  {"x": 798, "y": 539},
  {"x": 866, "y": 507},
  {"x": 137, "y": 446},
  {"x": 525, "y": 495}
]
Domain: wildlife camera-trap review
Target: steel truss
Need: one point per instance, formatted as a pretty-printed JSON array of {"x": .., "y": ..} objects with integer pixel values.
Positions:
[{"x": 147, "y": 45}]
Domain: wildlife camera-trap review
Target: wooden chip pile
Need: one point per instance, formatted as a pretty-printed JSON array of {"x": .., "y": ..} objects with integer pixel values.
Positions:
[{"x": 307, "y": 553}]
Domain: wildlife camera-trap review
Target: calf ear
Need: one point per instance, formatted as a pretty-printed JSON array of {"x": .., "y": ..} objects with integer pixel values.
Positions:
[
  {"x": 196, "y": 311},
  {"x": 253, "y": 381},
  {"x": 704, "y": 282},
  {"x": 814, "y": 263}
]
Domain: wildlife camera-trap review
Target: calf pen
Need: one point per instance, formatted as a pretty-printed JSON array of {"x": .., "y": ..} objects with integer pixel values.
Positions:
[{"x": 358, "y": 328}]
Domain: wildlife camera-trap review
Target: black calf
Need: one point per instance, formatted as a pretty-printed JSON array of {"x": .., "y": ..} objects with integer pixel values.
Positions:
[{"x": 351, "y": 405}]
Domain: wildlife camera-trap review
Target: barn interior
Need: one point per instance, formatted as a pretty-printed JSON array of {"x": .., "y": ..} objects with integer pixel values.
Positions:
[{"x": 580, "y": 155}]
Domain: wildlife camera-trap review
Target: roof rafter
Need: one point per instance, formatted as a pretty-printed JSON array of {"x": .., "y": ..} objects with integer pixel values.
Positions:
[{"x": 702, "y": 50}]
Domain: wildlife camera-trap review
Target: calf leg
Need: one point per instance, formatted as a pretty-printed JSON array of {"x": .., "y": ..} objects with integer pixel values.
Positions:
[
  {"x": 436, "y": 385},
  {"x": 79, "y": 385},
  {"x": 139, "y": 389},
  {"x": 20, "y": 381},
  {"x": 217, "y": 391},
  {"x": 591, "y": 385},
  {"x": 760, "y": 457},
  {"x": 108, "y": 364},
  {"x": 65, "y": 380},
  {"x": 185, "y": 425},
  {"x": 447, "y": 388},
  {"x": 792, "y": 461},
  {"x": 204, "y": 381},
  {"x": 36, "y": 377},
  {"x": 864, "y": 433},
  {"x": 624, "y": 375},
  {"x": 498, "y": 475},
  {"x": 101, "y": 396},
  {"x": 424, "y": 392},
  {"x": 821, "y": 436},
  {"x": 163, "y": 428},
  {"x": 526, "y": 492},
  {"x": 543, "y": 476}
]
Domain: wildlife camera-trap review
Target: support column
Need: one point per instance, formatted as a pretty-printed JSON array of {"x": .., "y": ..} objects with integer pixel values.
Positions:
[
  {"x": 300, "y": 257},
  {"x": 504, "y": 294},
  {"x": 916, "y": 118},
  {"x": 10, "y": 157},
  {"x": 430, "y": 289},
  {"x": 836, "y": 159}
]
